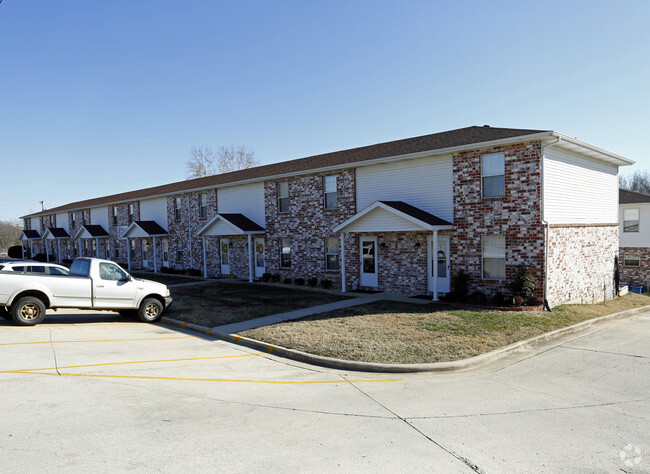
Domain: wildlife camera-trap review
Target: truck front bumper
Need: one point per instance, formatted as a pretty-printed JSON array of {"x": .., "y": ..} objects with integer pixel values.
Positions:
[{"x": 168, "y": 301}]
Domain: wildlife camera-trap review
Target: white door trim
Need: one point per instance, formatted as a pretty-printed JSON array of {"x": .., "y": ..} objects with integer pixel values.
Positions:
[
  {"x": 225, "y": 267},
  {"x": 369, "y": 279},
  {"x": 259, "y": 270},
  {"x": 443, "y": 282}
]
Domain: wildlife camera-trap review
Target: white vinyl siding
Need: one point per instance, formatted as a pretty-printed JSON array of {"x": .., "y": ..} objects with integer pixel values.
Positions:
[
  {"x": 424, "y": 183},
  {"x": 62, "y": 221},
  {"x": 247, "y": 199},
  {"x": 99, "y": 216},
  {"x": 579, "y": 190},
  {"x": 640, "y": 238},
  {"x": 154, "y": 210}
]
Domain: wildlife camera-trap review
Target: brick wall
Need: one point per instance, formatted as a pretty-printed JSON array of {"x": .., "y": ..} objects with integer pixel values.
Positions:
[
  {"x": 517, "y": 216},
  {"x": 306, "y": 223},
  {"x": 581, "y": 263},
  {"x": 637, "y": 275}
]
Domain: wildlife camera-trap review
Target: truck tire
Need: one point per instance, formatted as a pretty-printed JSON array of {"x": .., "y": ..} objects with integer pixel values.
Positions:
[
  {"x": 150, "y": 310},
  {"x": 28, "y": 311}
]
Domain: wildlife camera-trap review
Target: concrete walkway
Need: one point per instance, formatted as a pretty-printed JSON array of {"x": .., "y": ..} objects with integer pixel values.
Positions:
[{"x": 291, "y": 315}]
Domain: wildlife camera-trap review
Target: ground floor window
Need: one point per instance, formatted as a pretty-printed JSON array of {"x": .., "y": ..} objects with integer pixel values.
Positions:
[
  {"x": 494, "y": 257},
  {"x": 631, "y": 260},
  {"x": 285, "y": 252},
  {"x": 332, "y": 254},
  {"x": 179, "y": 250}
]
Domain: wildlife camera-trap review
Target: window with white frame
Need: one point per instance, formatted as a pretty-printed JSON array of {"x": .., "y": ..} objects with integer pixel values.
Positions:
[
  {"x": 117, "y": 249},
  {"x": 285, "y": 252},
  {"x": 203, "y": 206},
  {"x": 283, "y": 196},
  {"x": 132, "y": 241},
  {"x": 494, "y": 257},
  {"x": 632, "y": 260},
  {"x": 179, "y": 250},
  {"x": 630, "y": 220},
  {"x": 177, "y": 208},
  {"x": 131, "y": 213},
  {"x": 329, "y": 186},
  {"x": 332, "y": 254},
  {"x": 72, "y": 219},
  {"x": 114, "y": 215},
  {"x": 493, "y": 180}
]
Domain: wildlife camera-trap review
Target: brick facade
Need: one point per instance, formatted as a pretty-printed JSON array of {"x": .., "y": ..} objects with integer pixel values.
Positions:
[
  {"x": 631, "y": 273},
  {"x": 307, "y": 223},
  {"x": 581, "y": 263},
  {"x": 517, "y": 215}
]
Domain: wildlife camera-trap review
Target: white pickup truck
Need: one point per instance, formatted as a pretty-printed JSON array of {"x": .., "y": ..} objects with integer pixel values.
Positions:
[{"x": 93, "y": 283}]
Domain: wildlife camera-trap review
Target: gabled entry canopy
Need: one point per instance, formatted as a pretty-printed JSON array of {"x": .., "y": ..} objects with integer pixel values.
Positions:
[
  {"x": 230, "y": 224},
  {"x": 91, "y": 232},
  {"x": 141, "y": 229},
  {"x": 395, "y": 216},
  {"x": 29, "y": 235},
  {"x": 54, "y": 233}
]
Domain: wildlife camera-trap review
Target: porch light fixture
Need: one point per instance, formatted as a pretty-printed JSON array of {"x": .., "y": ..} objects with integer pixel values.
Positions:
[{"x": 417, "y": 245}]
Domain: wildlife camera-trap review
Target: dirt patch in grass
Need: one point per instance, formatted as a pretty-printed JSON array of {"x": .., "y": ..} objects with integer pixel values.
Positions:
[
  {"x": 217, "y": 303},
  {"x": 390, "y": 332}
]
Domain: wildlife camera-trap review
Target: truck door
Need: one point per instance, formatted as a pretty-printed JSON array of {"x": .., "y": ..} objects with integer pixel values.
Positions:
[{"x": 112, "y": 289}]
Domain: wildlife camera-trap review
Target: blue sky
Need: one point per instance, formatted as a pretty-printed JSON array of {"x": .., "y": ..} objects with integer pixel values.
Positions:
[{"x": 98, "y": 98}]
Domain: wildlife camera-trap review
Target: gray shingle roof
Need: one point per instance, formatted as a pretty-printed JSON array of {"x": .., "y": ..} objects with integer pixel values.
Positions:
[{"x": 631, "y": 197}]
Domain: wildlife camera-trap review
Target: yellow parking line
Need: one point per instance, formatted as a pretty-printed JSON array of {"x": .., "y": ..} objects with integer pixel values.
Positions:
[
  {"x": 189, "y": 379},
  {"x": 95, "y": 340},
  {"x": 18, "y": 371}
]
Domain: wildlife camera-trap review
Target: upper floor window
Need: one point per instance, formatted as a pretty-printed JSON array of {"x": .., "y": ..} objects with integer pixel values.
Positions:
[
  {"x": 177, "y": 208},
  {"x": 283, "y": 196},
  {"x": 203, "y": 206},
  {"x": 72, "y": 219},
  {"x": 329, "y": 185},
  {"x": 131, "y": 212},
  {"x": 630, "y": 220},
  {"x": 493, "y": 179},
  {"x": 114, "y": 215},
  {"x": 285, "y": 252},
  {"x": 494, "y": 257},
  {"x": 332, "y": 254}
]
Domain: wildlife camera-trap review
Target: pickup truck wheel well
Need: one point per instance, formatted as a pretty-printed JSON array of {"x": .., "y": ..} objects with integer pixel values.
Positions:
[{"x": 37, "y": 294}]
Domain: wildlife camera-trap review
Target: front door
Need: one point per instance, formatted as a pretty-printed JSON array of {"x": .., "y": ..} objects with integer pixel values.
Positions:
[
  {"x": 145, "y": 251},
  {"x": 441, "y": 259},
  {"x": 260, "y": 266},
  {"x": 165, "y": 252},
  {"x": 225, "y": 257},
  {"x": 369, "y": 261}
]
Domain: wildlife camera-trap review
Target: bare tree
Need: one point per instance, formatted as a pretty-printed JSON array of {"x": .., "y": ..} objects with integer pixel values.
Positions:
[
  {"x": 9, "y": 232},
  {"x": 204, "y": 161},
  {"x": 638, "y": 182}
]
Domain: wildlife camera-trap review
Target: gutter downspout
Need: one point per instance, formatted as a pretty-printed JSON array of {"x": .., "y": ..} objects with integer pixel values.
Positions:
[{"x": 548, "y": 226}]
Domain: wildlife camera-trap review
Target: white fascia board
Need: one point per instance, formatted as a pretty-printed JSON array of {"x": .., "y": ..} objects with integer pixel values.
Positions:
[
  {"x": 377, "y": 204},
  {"x": 594, "y": 151}
]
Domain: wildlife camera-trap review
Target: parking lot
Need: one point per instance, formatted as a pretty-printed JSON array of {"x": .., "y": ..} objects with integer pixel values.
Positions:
[{"x": 99, "y": 392}]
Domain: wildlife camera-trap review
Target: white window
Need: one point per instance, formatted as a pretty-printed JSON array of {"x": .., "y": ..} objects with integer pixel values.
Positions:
[
  {"x": 114, "y": 215},
  {"x": 285, "y": 252},
  {"x": 494, "y": 257},
  {"x": 332, "y": 254},
  {"x": 630, "y": 220},
  {"x": 329, "y": 185},
  {"x": 131, "y": 213},
  {"x": 179, "y": 250},
  {"x": 203, "y": 206},
  {"x": 283, "y": 196},
  {"x": 493, "y": 180},
  {"x": 177, "y": 208},
  {"x": 632, "y": 260}
]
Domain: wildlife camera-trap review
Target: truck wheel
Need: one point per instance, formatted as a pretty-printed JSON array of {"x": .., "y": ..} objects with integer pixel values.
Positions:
[
  {"x": 150, "y": 310},
  {"x": 28, "y": 311}
]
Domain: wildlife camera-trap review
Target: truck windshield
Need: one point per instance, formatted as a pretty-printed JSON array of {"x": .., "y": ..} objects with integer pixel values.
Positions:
[{"x": 80, "y": 268}]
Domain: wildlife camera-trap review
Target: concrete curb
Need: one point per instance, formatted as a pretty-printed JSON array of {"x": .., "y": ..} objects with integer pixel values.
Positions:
[{"x": 456, "y": 365}]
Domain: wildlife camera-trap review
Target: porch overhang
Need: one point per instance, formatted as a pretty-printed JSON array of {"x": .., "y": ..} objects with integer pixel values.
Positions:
[
  {"x": 56, "y": 233},
  {"x": 393, "y": 216},
  {"x": 230, "y": 224},
  {"x": 29, "y": 235},
  {"x": 91, "y": 232},
  {"x": 144, "y": 229}
]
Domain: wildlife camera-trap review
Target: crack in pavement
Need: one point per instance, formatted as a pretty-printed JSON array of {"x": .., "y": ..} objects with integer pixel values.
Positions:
[
  {"x": 605, "y": 352},
  {"x": 532, "y": 410},
  {"x": 462, "y": 459},
  {"x": 56, "y": 364}
]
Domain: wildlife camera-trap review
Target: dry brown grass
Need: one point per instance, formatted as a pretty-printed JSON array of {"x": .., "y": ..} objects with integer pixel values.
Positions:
[
  {"x": 217, "y": 303},
  {"x": 390, "y": 332}
]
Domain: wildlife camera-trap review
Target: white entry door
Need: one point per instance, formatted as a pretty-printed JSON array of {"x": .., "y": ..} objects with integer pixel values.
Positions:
[
  {"x": 441, "y": 259},
  {"x": 369, "y": 261},
  {"x": 225, "y": 257},
  {"x": 145, "y": 251},
  {"x": 260, "y": 266},
  {"x": 165, "y": 252}
]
